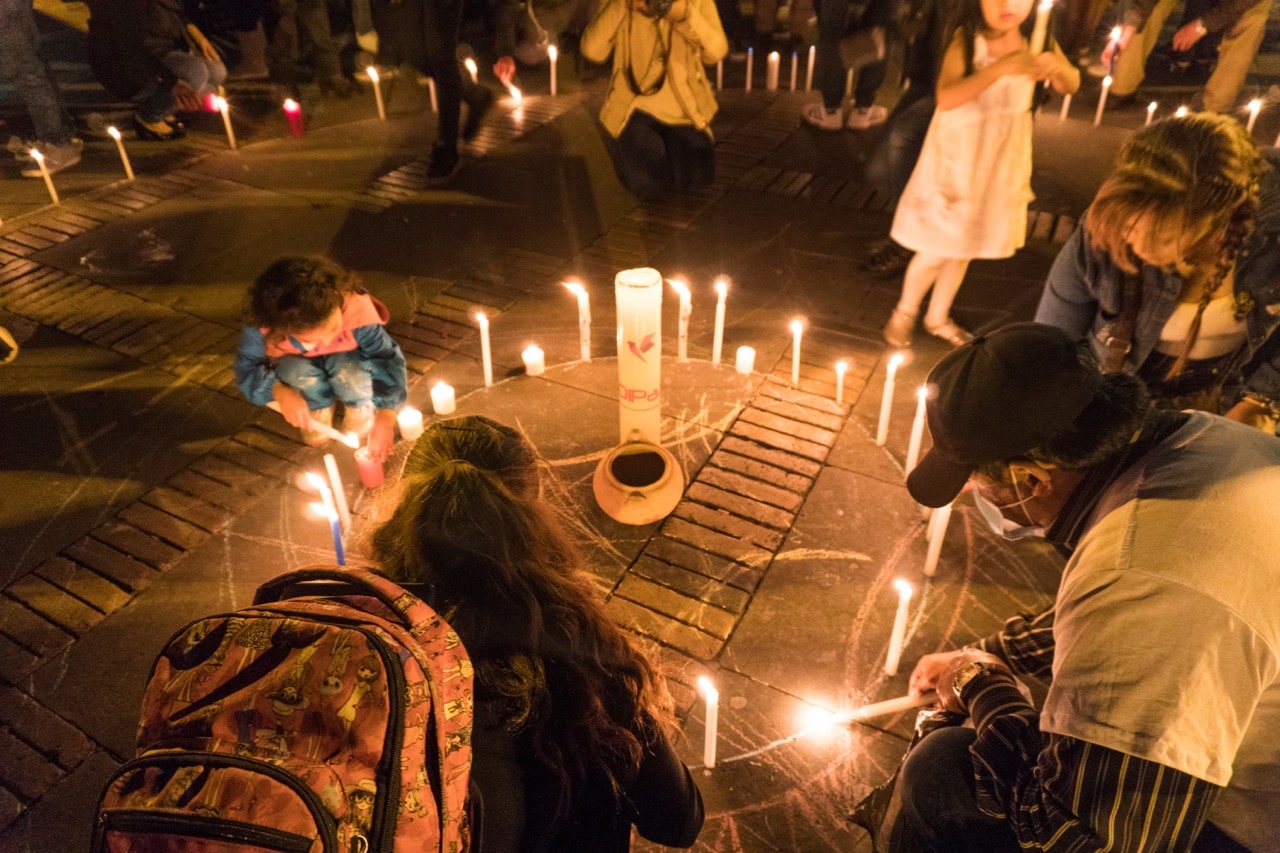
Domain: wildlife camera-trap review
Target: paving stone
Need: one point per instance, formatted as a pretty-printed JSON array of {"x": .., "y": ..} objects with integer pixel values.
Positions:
[
  {"x": 211, "y": 491},
  {"x": 175, "y": 531},
  {"x": 457, "y": 317},
  {"x": 269, "y": 442},
  {"x": 10, "y": 807},
  {"x": 155, "y": 334},
  {"x": 76, "y": 219},
  {"x": 734, "y": 548},
  {"x": 760, "y": 491},
  {"x": 764, "y": 463},
  {"x": 45, "y": 233},
  {"x": 12, "y": 248},
  {"x": 23, "y": 770},
  {"x": 667, "y": 631},
  {"x": 58, "y": 300},
  {"x": 85, "y": 584},
  {"x": 26, "y": 238},
  {"x": 729, "y": 524},
  {"x": 667, "y": 601},
  {"x": 691, "y": 584},
  {"x": 126, "y": 554},
  {"x": 188, "y": 508},
  {"x": 106, "y": 334},
  {"x": 55, "y": 604},
  {"x": 31, "y": 630},
  {"x": 739, "y": 505},
  {"x": 252, "y": 459},
  {"x": 698, "y": 561},
  {"x": 16, "y": 663},
  {"x": 42, "y": 729},
  {"x": 770, "y": 438},
  {"x": 825, "y": 420},
  {"x": 790, "y": 427}
]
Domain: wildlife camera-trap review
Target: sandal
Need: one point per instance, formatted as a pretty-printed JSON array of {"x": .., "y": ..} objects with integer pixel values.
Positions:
[
  {"x": 897, "y": 332},
  {"x": 160, "y": 131},
  {"x": 948, "y": 331}
]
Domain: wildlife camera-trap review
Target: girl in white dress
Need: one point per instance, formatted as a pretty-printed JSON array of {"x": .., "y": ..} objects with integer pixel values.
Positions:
[{"x": 968, "y": 195}]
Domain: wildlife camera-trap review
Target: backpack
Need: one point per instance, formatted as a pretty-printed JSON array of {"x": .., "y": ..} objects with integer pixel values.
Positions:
[{"x": 334, "y": 714}]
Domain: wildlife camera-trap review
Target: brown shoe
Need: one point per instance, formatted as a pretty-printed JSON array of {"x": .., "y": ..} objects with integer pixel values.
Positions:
[
  {"x": 949, "y": 332},
  {"x": 314, "y": 437},
  {"x": 897, "y": 332}
]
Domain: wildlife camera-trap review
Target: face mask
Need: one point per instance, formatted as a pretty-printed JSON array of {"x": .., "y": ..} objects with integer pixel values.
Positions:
[{"x": 1001, "y": 526}]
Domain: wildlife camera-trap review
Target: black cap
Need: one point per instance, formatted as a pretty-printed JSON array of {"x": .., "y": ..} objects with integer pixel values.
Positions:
[{"x": 997, "y": 397}]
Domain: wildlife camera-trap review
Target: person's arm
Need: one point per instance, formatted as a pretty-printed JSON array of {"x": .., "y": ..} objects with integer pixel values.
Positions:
[
  {"x": 390, "y": 384},
  {"x": 1062, "y": 74},
  {"x": 1025, "y": 644},
  {"x": 665, "y": 801},
  {"x": 699, "y": 24},
  {"x": 1226, "y": 14},
  {"x": 255, "y": 374},
  {"x": 1068, "y": 300},
  {"x": 599, "y": 36},
  {"x": 955, "y": 88}
]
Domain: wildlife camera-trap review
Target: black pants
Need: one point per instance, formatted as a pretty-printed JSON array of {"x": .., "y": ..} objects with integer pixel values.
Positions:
[{"x": 651, "y": 156}]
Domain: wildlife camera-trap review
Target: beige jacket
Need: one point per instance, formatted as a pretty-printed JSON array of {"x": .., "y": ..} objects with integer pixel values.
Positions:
[{"x": 695, "y": 42}]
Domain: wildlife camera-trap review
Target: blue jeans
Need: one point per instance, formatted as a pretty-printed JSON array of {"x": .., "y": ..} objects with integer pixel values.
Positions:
[
  {"x": 28, "y": 73},
  {"x": 833, "y": 21},
  {"x": 894, "y": 158},
  {"x": 651, "y": 157},
  {"x": 321, "y": 379},
  {"x": 156, "y": 100}
]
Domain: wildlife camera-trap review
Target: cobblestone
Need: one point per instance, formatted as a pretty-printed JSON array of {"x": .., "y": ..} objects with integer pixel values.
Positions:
[
  {"x": 57, "y": 605},
  {"x": 42, "y": 729},
  {"x": 85, "y": 584}
]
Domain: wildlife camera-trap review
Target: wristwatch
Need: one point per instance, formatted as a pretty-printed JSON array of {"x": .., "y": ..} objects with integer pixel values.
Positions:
[{"x": 968, "y": 673}]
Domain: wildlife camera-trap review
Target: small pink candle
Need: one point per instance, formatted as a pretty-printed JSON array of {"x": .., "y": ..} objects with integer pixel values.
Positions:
[
  {"x": 293, "y": 114},
  {"x": 370, "y": 469}
]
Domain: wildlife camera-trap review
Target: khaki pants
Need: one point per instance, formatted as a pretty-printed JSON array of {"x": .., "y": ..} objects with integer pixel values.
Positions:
[{"x": 1239, "y": 45}]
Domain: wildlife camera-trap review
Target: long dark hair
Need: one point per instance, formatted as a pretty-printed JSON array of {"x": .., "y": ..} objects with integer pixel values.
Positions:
[
  {"x": 497, "y": 562},
  {"x": 967, "y": 21}
]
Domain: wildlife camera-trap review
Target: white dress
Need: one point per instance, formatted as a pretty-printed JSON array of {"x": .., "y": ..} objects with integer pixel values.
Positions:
[{"x": 968, "y": 195}]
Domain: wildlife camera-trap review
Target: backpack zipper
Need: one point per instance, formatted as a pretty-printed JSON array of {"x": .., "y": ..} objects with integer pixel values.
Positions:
[{"x": 200, "y": 826}]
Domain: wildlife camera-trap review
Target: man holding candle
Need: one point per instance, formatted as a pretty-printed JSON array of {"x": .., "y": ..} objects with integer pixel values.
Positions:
[{"x": 1161, "y": 717}]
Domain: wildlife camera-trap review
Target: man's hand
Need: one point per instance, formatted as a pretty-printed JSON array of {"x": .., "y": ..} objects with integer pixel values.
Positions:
[
  {"x": 504, "y": 69},
  {"x": 1186, "y": 38},
  {"x": 925, "y": 676},
  {"x": 947, "y": 697},
  {"x": 186, "y": 97},
  {"x": 382, "y": 435},
  {"x": 292, "y": 405}
]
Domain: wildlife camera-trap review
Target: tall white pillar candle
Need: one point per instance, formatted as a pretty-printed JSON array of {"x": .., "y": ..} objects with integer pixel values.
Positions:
[
  {"x": 712, "y": 727},
  {"x": 114, "y": 133},
  {"x": 1255, "y": 106},
  {"x": 917, "y": 429},
  {"x": 410, "y": 422},
  {"x": 751, "y": 56},
  {"x": 486, "y": 356},
  {"x": 1102, "y": 100},
  {"x": 842, "y": 367},
  {"x": 1151, "y": 113},
  {"x": 225, "y": 108},
  {"x": 808, "y": 69},
  {"x": 686, "y": 309},
  {"x": 937, "y": 533},
  {"x": 639, "y": 298},
  {"x": 797, "y": 330},
  {"x": 372, "y": 71},
  {"x": 717, "y": 338},
  {"x": 443, "y": 401},
  {"x": 339, "y": 491},
  {"x": 553, "y": 55},
  {"x": 584, "y": 318},
  {"x": 886, "y": 399},
  {"x": 899, "y": 635},
  {"x": 745, "y": 360},
  {"x": 535, "y": 360}
]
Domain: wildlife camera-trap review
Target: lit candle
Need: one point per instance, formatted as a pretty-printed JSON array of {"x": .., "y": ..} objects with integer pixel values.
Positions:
[
  {"x": 328, "y": 510},
  {"x": 720, "y": 76},
  {"x": 717, "y": 338},
  {"x": 372, "y": 71},
  {"x": 293, "y": 114},
  {"x": 1041, "y": 28},
  {"x": 1066, "y": 107},
  {"x": 535, "y": 360},
  {"x": 1181, "y": 112},
  {"x": 349, "y": 439},
  {"x": 745, "y": 362},
  {"x": 842, "y": 367},
  {"x": 686, "y": 308},
  {"x": 442, "y": 399},
  {"x": 1151, "y": 112},
  {"x": 410, "y": 421},
  {"x": 888, "y": 706},
  {"x": 1102, "y": 100},
  {"x": 553, "y": 54},
  {"x": 225, "y": 108},
  {"x": 751, "y": 56},
  {"x": 339, "y": 492},
  {"x": 431, "y": 90},
  {"x": 516, "y": 94},
  {"x": 886, "y": 399},
  {"x": 1255, "y": 106},
  {"x": 370, "y": 469},
  {"x": 472, "y": 68},
  {"x": 899, "y": 635},
  {"x": 797, "y": 329},
  {"x": 712, "y": 696},
  {"x": 584, "y": 317},
  {"x": 486, "y": 357},
  {"x": 917, "y": 429},
  {"x": 808, "y": 71},
  {"x": 937, "y": 531},
  {"x": 771, "y": 72},
  {"x": 1113, "y": 43},
  {"x": 795, "y": 68},
  {"x": 848, "y": 84},
  {"x": 124, "y": 155},
  {"x": 44, "y": 173}
]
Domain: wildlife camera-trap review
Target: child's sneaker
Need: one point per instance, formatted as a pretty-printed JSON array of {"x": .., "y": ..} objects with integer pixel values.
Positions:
[
  {"x": 358, "y": 419},
  {"x": 314, "y": 437},
  {"x": 861, "y": 118},
  {"x": 823, "y": 118},
  {"x": 56, "y": 158}
]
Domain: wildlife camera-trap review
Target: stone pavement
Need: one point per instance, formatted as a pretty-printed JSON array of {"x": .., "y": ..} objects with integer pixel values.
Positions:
[{"x": 139, "y": 490}]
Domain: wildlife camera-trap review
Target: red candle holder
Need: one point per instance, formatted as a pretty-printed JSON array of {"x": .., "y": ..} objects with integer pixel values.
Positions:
[{"x": 293, "y": 113}]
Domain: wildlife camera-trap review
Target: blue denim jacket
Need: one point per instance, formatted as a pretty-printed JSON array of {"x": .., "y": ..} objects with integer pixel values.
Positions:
[{"x": 1083, "y": 292}]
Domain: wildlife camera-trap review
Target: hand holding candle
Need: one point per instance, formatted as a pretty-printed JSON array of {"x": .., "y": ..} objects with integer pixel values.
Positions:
[
  {"x": 114, "y": 133},
  {"x": 898, "y": 638},
  {"x": 1040, "y": 30},
  {"x": 717, "y": 338},
  {"x": 712, "y": 697}
]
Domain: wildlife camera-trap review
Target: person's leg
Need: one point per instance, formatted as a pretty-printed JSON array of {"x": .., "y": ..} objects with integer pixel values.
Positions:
[
  {"x": 870, "y": 77},
  {"x": 939, "y": 801},
  {"x": 282, "y": 42},
  {"x": 313, "y": 22},
  {"x": 1239, "y": 46},
  {"x": 310, "y": 377},
  {"x": 830, "y": 71},
  {"x": 921, "y": 273},
  {"x": 191, "y": 69},
  {"x": 1131, "y": 66},
  {"x": 155, "y": 101},
  {"x": 937, "y": 319},
  {"x": 352, "y": 383},
  {"x": 640, "y": 157},
  {"x": 691, "y": 154},
  {"x": 894, "y": 158},
  {"x": 766, "y": 22},
  {"x": 439, "y": 33},
  {"x": 22, "y": 65}
]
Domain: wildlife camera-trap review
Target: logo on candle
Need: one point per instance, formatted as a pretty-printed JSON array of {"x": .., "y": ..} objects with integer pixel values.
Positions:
[{"x": 638, "y": 350}]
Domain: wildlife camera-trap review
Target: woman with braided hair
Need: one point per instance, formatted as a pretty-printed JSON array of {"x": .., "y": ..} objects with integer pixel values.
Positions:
[
  {"x": 1174, "y": 274},
  {"x": 571, "y": 745}
]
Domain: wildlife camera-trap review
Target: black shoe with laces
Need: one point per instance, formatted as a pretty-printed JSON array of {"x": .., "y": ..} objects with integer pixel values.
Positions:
[{"x": 444, "y": 161}]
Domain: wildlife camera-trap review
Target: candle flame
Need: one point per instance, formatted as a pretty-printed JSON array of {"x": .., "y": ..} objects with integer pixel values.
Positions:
[
  {"x": 482, "y": 319},
  {"x": 904, "y": 589},
  {"x": 220, "y": 103},
  {"x": 291, "y": 106},
  {"x": 114, "y": 132},
  {"x": 773, "y": 56},
  {"x": 722, "y": 286},
  {"x": 515, "y": 94},
  {"x": 1106, "y": 82},
  {"x": 841, "y": 367},
  {"x": 1115, "y": 33},
  {"x": 706, "y": 688},
  {"x": 315, "y": 481},
  {"x": 1151, "y": 107},
  {"x": 1255, "y": 105},
  {"x": 815, "y": 720},
  {"x": 923, "y": 393},
  {"x": 323, "y": 511},
  {"x": 372, "y": 72},
  {"x": 443, "y": 384},
  {"x": 896, "y": 360},
  {"x": 681, "y": 287},
  {"x": 351, "y": 440},
  {"x": 575, "y": 287},
  {"x": 797, "y": 326},
  {"x": 1182, "y": 111},
  {"x": 552, "y": 53},
  {"x": 36, "y": 155},
  {"x": 471, "y": 65}
]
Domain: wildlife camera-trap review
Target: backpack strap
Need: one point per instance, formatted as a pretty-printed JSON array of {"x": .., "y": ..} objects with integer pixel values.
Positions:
[
  {"x": 345, "y": 580},
  {"x": 1120, "y": 341}
]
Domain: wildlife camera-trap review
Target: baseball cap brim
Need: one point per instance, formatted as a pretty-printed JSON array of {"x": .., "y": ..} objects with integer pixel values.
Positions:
[{"x": 936, "y": 480}]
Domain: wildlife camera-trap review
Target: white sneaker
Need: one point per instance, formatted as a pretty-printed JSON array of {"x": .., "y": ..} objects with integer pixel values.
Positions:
[
  {"x": 56, "y": 158},
  {"x": 861, "y": 118},
  {"x": 823, "y": 118}
]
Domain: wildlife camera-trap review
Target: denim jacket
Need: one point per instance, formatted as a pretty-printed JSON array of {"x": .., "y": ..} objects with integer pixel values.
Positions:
[{"x": 1082, "y": 296}]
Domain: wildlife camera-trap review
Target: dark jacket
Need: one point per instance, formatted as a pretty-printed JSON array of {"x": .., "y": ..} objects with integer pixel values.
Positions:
[{"x": 128, "y": 40}]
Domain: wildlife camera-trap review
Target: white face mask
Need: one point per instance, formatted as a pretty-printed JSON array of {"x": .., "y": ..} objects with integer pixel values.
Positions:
[{"x": 1001, "y": 526}]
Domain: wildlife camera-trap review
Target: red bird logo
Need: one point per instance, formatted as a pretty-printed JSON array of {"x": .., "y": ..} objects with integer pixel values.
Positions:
[{"x": 646, "y": 344}]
